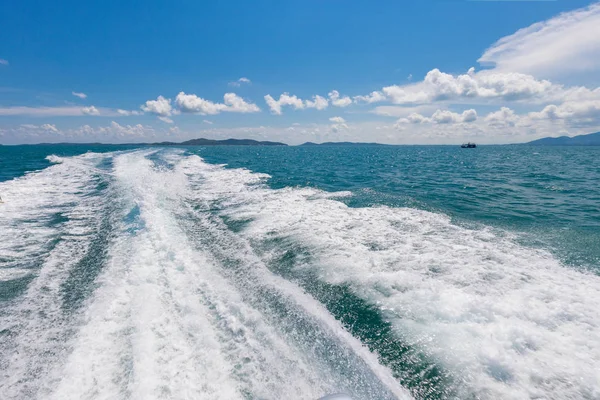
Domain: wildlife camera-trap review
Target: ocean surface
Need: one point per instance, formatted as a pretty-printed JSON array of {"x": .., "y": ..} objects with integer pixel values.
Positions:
[{"x": 383, "y": 272}]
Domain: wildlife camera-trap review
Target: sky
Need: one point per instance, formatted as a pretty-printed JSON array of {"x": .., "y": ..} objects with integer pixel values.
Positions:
[{"x": 397, "y": 72}]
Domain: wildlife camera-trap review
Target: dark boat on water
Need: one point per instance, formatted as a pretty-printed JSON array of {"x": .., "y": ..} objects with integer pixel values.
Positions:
[{"x": 468, "y": 145}]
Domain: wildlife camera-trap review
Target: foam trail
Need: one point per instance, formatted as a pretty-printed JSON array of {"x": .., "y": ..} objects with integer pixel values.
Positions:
[
  {"x": 144, "y": 333},
  {"x": 47, "y": 225},
  {"x": 167, "y": 321},
  {"x": 337, "y": 355},
  {"x": 505, "y": 320}
]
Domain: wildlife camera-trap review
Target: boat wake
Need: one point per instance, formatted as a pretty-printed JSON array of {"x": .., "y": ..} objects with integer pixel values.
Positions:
[{"x": 152, "y": 274}]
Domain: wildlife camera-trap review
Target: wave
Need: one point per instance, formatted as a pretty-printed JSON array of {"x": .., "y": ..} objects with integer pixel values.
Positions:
[
  {"x": 167, "y": 318},
  {"x": 505, "y": 320},
  {"x": 54, "y": 159},
  {"x": 155, "y": 275},
  {"x": 47, "y": 232}
]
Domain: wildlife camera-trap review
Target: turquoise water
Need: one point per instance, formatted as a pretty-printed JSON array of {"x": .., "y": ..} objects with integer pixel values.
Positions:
[
  {"x": 550, "y": 193},
  {"x": 270, "y": 272}
]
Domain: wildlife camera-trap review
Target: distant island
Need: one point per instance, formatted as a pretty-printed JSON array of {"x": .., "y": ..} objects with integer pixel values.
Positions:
[
  {"x": 226, "y": 142},
  {"x": 592, "y": 139},
  {"x": 341, "y": 144},
  {"x": 193, "y": 142}
]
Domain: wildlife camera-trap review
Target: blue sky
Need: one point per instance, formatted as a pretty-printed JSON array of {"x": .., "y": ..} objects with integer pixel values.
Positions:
[{"x": 529, "y": 80}]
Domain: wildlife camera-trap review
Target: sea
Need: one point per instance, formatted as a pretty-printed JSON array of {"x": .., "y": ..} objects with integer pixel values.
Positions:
[{"x": 242, "y": 272}]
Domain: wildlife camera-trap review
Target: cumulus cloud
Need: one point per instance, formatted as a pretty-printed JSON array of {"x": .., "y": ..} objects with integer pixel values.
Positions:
[
  {"x": 49, "y": 127},
  {"x": 564, "y": 44},
  {"x": 191, "y": 103},
  {"x": 581, "y": 113},
  {"x": 40, "y": 128},
  {"x": 414, "y": 118},
  {"x": 166, "y": 120},
  {"x": 337, "y": 120},
  {"x": 440, "y": 117},
  {"x": 484, "y": 85},
  {"x": 235, "y": 103},
  {"x": 287, "y": 100},
  {"x": 337, "y": 100},
  {"x": 3, "y": 61},
  {"x": 240, "y": 81},
  {"x": 91, "y": 110},
  {"x": 161, "y": 107},
  {"x": 502, "y": 118},
  {"x": 373, "y": 97},
  {"x": 115, "y": 129},
  {"x": 449, "y": 117},
  {"x": 338, "y": 127},
  {"x": 79, "y": 94},
  {"x": 318, "y": 102},
  {"x": 284, "y": 100},
  {"x": 207, "y": 122},
  {"x": 127, "y": 113},
  {"x": 469, "y": 115}
]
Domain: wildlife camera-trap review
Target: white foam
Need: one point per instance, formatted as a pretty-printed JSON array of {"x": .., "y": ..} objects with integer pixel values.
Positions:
[
  {"x": 54, "y": 159},
  {"x": 35, "y": 319},
  {"x": 508, "y": 321},
  {"x": 165, "y": 323},
  {"x": 168, "y": 321},
  {"x": 9, "y": 274}
]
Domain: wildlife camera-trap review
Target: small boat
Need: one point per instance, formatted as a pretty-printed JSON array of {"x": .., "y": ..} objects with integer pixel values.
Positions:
[{"x": 468, "y": 145}]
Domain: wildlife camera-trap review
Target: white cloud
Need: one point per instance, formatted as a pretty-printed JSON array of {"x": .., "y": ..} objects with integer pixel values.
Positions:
[
  {"x": 449, "y": 117},
  {"x": 472, "y": 86},
  {"x": 373, "y": 97},
  {"x": 41, "y": 111},
  {"x": 406, "y": 95},
  {"x": 567, "y": 43},
  {"x": 194, "y": 104},
  {"x": 235, "y": 103},
  {"x": 3, "y": 62},
  {"x": 207, "y": 122},
  {"x": 284, "y": 100},
  {"x": 115, "y": 129},
  {"x": 403, "y": 111},
  {"x": 414, "y": 118},
  {"x": 49, "y": 127},
  {"x": 440, "y": 117},
  {"x": 582, "y": 113},
  {"x": 338, "y": 101},
  {"x": 61, "y": 111},
  {"x": 337, "y": 120},
  {"x": 79, "y": 94},
  {"x": 240, "y": 81},
  {"x": 502, "y": 118},
  {"x": 43, "y": 128},
  {"x": 232, "y": 103},
  {"x": 339, "y": 127},
  {"x": 161, "y": 106},
  {"x": 469, "y": 115},
  {"x": 91, "y": 110},
  {"x": 318, "y": 102},
  {"x": 127, "y": 113},
  {"x": 166, "y": 120}
]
